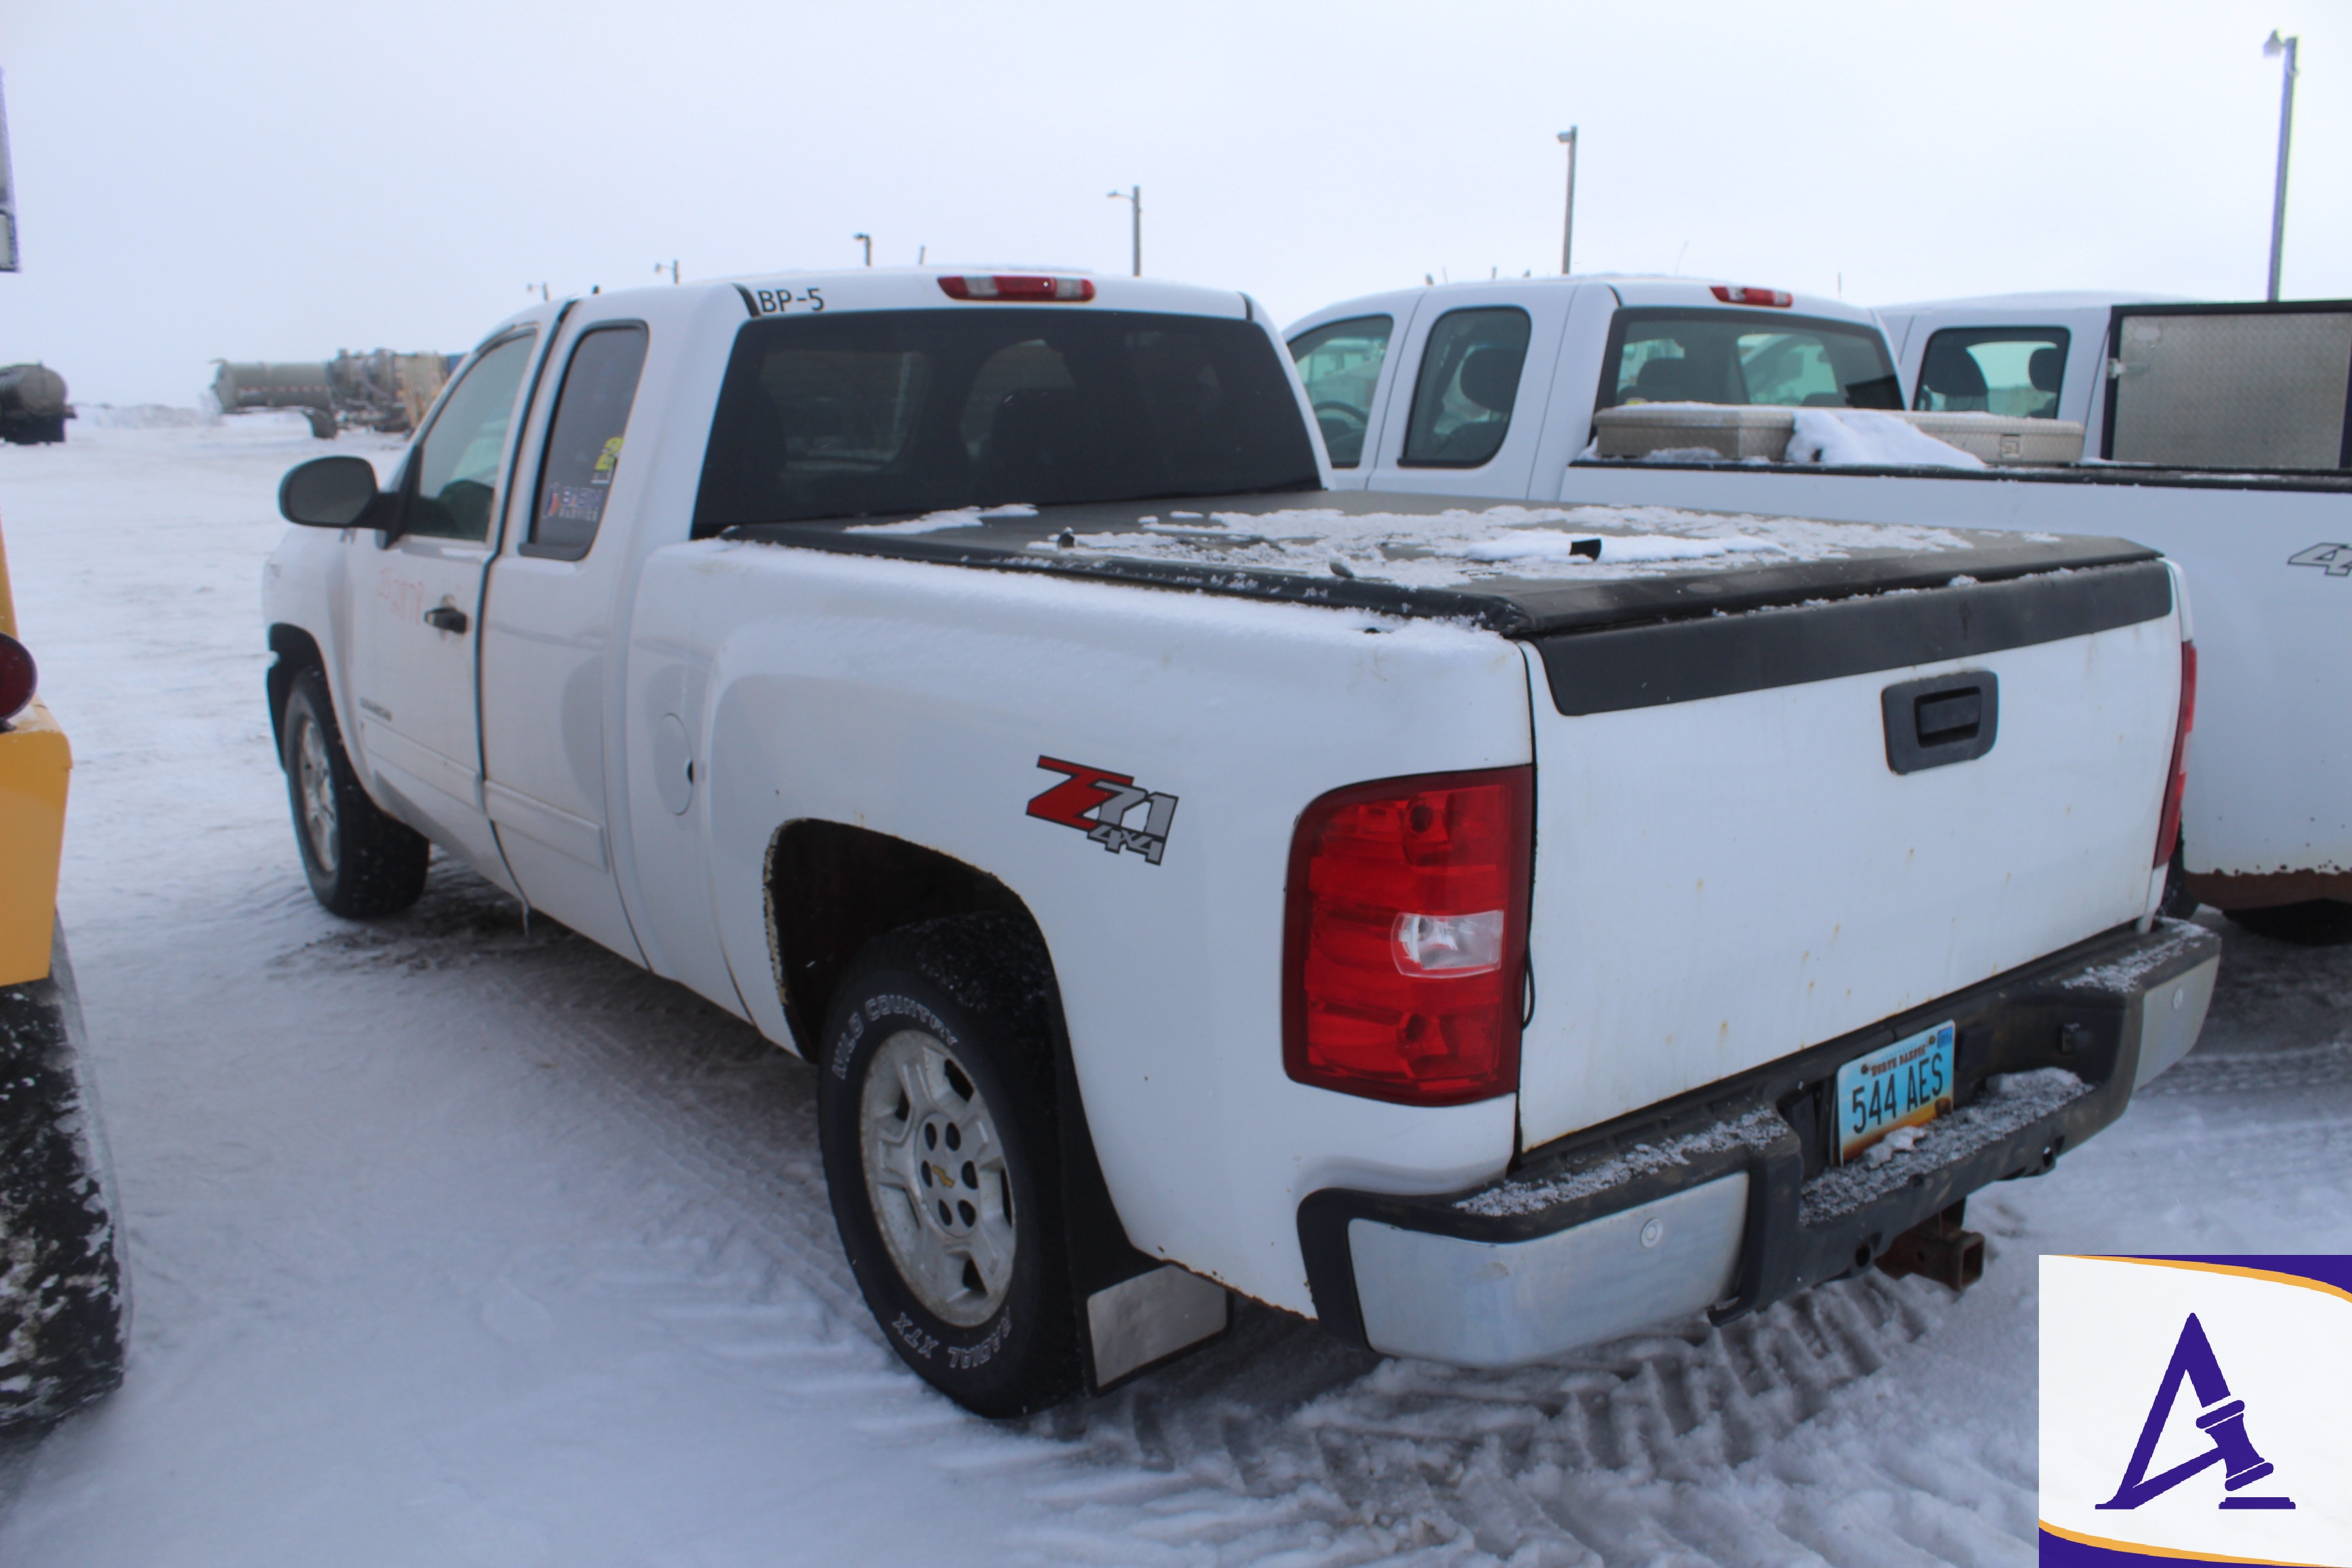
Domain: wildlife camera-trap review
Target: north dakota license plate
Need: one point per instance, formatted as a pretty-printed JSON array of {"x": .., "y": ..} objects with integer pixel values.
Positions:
[{"x": 1906, "y": 1084}]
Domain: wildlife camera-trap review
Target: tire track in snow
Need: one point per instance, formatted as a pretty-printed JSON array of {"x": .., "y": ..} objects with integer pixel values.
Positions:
[
  {"x": 1275, "y": 1444},
  {"x": 1602, "y": 1458}
]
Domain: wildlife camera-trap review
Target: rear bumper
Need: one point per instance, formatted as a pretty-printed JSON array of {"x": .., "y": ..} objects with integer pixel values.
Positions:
[{"x": 1730, "y": 1199}]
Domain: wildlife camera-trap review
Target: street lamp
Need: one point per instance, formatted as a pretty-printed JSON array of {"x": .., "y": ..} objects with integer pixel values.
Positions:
[
  {"x": 1135, "y": 199},
  {"x": 1567, "y": 222},
  {"x": 868, "y": 241},
  {"x": 2272, "y": 47}
]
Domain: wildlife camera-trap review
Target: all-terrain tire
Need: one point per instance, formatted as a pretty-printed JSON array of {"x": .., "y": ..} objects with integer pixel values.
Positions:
[
  {"x": 936, "y": 1114},
  {"x": 360, "y": 861},
  {"x": 62, "y": 1303}
]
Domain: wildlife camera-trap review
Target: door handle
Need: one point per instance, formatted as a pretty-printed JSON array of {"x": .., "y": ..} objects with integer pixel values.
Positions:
[{"x": 448, "y": 618}]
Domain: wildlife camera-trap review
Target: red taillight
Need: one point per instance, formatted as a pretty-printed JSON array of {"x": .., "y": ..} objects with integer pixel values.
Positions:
[
  {"x": 1405, "y": 942},
  {"x": 17, "y": 678},
  {"x": 2167, "y": 829},
  {"x": 1739, "y": 294},
  {"x": 1031, "y": 288}
]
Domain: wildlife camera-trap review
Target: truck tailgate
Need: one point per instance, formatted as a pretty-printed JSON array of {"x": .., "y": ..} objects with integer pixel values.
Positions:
[{"x": 1729, "y": 867}]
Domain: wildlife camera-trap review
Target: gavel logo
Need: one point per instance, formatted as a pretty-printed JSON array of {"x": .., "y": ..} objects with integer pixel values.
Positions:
[{"x": 2224, "y": 1421}]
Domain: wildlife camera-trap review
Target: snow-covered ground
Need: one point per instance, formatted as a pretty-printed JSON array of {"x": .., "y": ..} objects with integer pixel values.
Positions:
[{"x": 456, "y": 1243}]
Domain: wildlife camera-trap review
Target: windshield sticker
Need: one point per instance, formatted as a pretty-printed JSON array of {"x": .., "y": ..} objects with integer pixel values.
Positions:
[
  {"x": 606, "y": 462},
  {"x": 1098, "y": 803},
  {"x": 574, "y": 503}
]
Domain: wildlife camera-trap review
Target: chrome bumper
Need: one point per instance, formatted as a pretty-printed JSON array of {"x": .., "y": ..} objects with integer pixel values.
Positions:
[{"x": 1731, "y": 1199}]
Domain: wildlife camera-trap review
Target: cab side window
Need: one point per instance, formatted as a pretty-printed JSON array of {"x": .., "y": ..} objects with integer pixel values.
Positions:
[
  {"x": 584, "y": 441},
  {"x": 456, "y": 462},
  {"x": 1341, "y": 363},
  {"x": 1469, "y": 380},
  {"x": 2015, "y": 370}
]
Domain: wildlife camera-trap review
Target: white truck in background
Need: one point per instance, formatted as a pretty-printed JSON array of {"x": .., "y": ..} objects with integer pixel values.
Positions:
[
  {"x": 1482, "y": 930},
  {"x": 1505, "y": 390},
  {"x": 2171, "y": 383}
]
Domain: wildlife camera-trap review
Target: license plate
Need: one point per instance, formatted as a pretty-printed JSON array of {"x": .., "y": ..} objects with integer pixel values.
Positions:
[{"x": 1906, "y": 1084}]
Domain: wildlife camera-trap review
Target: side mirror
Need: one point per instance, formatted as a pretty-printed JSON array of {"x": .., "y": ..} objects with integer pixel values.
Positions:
[{"x": 328, "y": 493}]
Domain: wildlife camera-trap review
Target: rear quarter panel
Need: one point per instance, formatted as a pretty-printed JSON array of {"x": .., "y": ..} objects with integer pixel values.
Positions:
[{"x": 916, "y": 699}]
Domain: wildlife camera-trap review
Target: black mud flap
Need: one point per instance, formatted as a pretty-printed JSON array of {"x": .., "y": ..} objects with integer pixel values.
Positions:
[{"x": 62, "y": 1307}]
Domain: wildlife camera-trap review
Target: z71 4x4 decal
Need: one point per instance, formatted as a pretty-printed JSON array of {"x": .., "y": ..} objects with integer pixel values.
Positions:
[{"x": 1098, "y": 803}]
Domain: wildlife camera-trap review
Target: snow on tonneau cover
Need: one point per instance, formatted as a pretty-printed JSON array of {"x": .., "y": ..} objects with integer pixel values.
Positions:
[{"x": 1774, "y": 872}]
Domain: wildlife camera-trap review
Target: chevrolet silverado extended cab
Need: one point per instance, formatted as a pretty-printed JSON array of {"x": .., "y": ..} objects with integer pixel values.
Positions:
[
  {"x": 1522, "y": 389},
  {"x": 1485, "y": 930}
]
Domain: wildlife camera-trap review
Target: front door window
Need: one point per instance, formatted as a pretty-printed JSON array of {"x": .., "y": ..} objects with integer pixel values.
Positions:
[{"x": 458, "y": 461}]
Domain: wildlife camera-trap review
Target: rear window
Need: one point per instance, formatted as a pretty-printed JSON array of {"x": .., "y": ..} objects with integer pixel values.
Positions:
[
  {"x": 2015, "y": 370},
  {"x": 1746, "y": 357},
  {"x": 908, "y": 410}
]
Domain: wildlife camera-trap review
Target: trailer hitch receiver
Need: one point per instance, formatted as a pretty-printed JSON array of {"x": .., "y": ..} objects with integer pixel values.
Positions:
[{"x": 1939, "y": 1249}]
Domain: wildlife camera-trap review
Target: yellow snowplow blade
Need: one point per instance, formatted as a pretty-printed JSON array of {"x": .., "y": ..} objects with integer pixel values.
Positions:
[{"x": 35, "y": 762}]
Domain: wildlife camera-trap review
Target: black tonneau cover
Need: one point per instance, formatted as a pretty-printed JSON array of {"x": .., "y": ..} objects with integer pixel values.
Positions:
[{"x": 1212, "y": 532}]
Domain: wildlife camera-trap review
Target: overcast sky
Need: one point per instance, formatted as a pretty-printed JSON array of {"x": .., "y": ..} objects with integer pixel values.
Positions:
[{"x": 248, "y": 180}]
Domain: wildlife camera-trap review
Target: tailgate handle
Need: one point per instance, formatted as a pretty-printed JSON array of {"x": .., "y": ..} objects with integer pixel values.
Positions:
[{"x": 1943, "y": 719}]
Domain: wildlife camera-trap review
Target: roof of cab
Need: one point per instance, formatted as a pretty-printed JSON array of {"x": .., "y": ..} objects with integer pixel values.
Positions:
[
  {"x": 2051, "y": 300},
  {"x": 918, "y": 287},
  {"x": 1631, "y": 288}
]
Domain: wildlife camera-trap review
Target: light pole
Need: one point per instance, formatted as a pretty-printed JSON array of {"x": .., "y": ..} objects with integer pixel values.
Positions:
[
  {"x": 1567, "y": 222},
  {"x": 868, "y": 241},
  {"x": 2275, "y": 46},
  {"x": 1135, "y": 199}
]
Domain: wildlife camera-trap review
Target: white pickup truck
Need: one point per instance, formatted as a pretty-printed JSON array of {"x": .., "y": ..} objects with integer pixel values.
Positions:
[
  {"x": 2258, "y": 386},
  {"x": 1482, "y": 930},
  {"x": 1505, "y": 389}
]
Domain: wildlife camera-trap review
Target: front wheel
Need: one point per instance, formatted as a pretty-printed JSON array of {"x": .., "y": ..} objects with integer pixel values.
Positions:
[
  {"x": 359, "y": 861},
  {"x": 936, "y": 1114}
]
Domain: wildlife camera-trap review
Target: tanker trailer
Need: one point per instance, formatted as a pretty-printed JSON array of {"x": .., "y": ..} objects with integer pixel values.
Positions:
[
  {"x": 33, "y": 407},
  {"x": 385, "y": 391},
  {"x": 244, "y": 388}
]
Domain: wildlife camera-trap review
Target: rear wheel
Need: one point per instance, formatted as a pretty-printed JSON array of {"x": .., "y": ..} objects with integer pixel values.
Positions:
[
  {"x": 936, "y": 1114},
  {"x": 360, "y": 861},
  {"x": 2315, "y": 923}
]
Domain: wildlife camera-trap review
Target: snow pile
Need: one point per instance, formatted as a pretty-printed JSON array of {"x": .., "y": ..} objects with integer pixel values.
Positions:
[
  {"x": 960, "y": 517},
  {"x": 144, "y": 416},
  {"x": 1865, "y": 437},
  {"x": 1462, "y": 546},
  {"x": 1754, "y": 1131}
]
